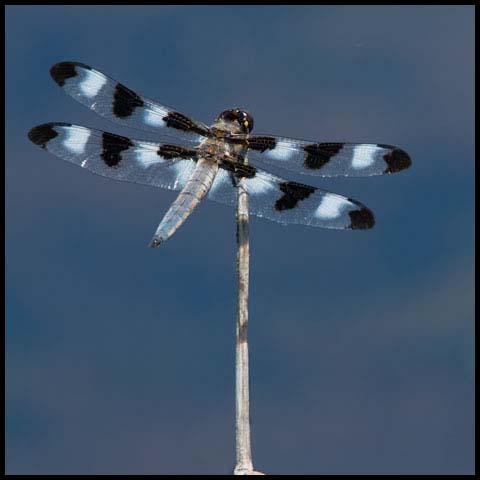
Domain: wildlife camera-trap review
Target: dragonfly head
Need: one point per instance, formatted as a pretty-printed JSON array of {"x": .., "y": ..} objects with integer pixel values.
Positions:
[{"x": 238, "y": 119}]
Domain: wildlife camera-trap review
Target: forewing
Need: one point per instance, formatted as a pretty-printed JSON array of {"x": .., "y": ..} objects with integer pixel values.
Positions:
[
  {"x": 287, "y": 202},
  {"x": 328, "y": 159},
  {"x": 116, "y": 102},
  {"x": 114, "y": 156}
]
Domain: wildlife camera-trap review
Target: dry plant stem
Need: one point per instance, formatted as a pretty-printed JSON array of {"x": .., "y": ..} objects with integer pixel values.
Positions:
[
  {"x": 244, "y": 464},
  {"x": 242, "y": 407}
]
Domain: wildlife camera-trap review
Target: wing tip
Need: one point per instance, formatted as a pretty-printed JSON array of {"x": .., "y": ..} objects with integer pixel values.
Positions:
[
  {"x": 42, "y": 134},
  {"x": 397, "y": 160},
  {"x": 362, "y": 219},
  {"x": 62, "y": 71}
]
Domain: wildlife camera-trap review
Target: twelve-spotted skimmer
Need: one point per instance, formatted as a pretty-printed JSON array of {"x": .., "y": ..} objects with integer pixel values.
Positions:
[{"x": 210, "y": 160}]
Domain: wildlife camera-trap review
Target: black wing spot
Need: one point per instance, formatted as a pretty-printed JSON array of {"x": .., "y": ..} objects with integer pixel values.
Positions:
[
  {"x": 182, "y": 122},
  {"x": 125, "y": 101},
  {"x": 62, "y": 71},
  {"x": 42, "y": 134},
  {"x": 293, "y": 192},
  {"x": 175, "y": 151},
  {"x": 361, "y": 219},
  {"x": 397, "y": 159},
  {"x": 238, "y": 170},
  {"x": 319, "y": 154},
  {"x": 112, "y": 148},
  {"x": 262, "y": 143}
]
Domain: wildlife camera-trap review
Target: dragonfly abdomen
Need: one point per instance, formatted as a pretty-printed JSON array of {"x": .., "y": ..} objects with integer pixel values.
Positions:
[{"x": 196, "y": 187}]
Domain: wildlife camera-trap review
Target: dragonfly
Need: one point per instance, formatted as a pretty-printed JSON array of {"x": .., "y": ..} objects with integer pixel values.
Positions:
[{"x": 210, "y": 161}]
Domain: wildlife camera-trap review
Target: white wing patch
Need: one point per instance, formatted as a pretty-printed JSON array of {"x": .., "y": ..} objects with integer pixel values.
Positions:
[
  {"x": 260, "y": 185},
  {"x": 220, "y": 179},
  {"x": 183, "y": 170},
  {"x": 154, "y": 116},
  {"x": 147, "y": 155},
  {"x": 331, "y": 206},
  {"x": 92, "y": 83},
  {"x": 280, "y": 152},
  {"x": 363, "y": 156},
  {"x": 76, "y": 139}
]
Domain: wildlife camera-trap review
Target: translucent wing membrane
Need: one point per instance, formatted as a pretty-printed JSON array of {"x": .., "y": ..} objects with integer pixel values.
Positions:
[
  {"x": 328, "y": 159},
  {"x": 114, "y": 156},
  {"x": 116, "y": 102},
  {"x": 290, "y": 202}
]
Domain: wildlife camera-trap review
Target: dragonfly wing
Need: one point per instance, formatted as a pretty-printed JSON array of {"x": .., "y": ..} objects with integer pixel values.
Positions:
[
  {"x": 327, "y": 159},
  {"x": 118, "y": 103},
  {"x": 289, "y": 202},
  {"x": 114, "y": 156}
]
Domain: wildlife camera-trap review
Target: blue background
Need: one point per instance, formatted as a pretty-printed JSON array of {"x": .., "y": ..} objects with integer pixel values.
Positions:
[{"x": 120, "y": 357}]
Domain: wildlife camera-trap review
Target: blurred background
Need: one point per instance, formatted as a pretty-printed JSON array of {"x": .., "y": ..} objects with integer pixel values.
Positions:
[{"x": 120, "y": 358}]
